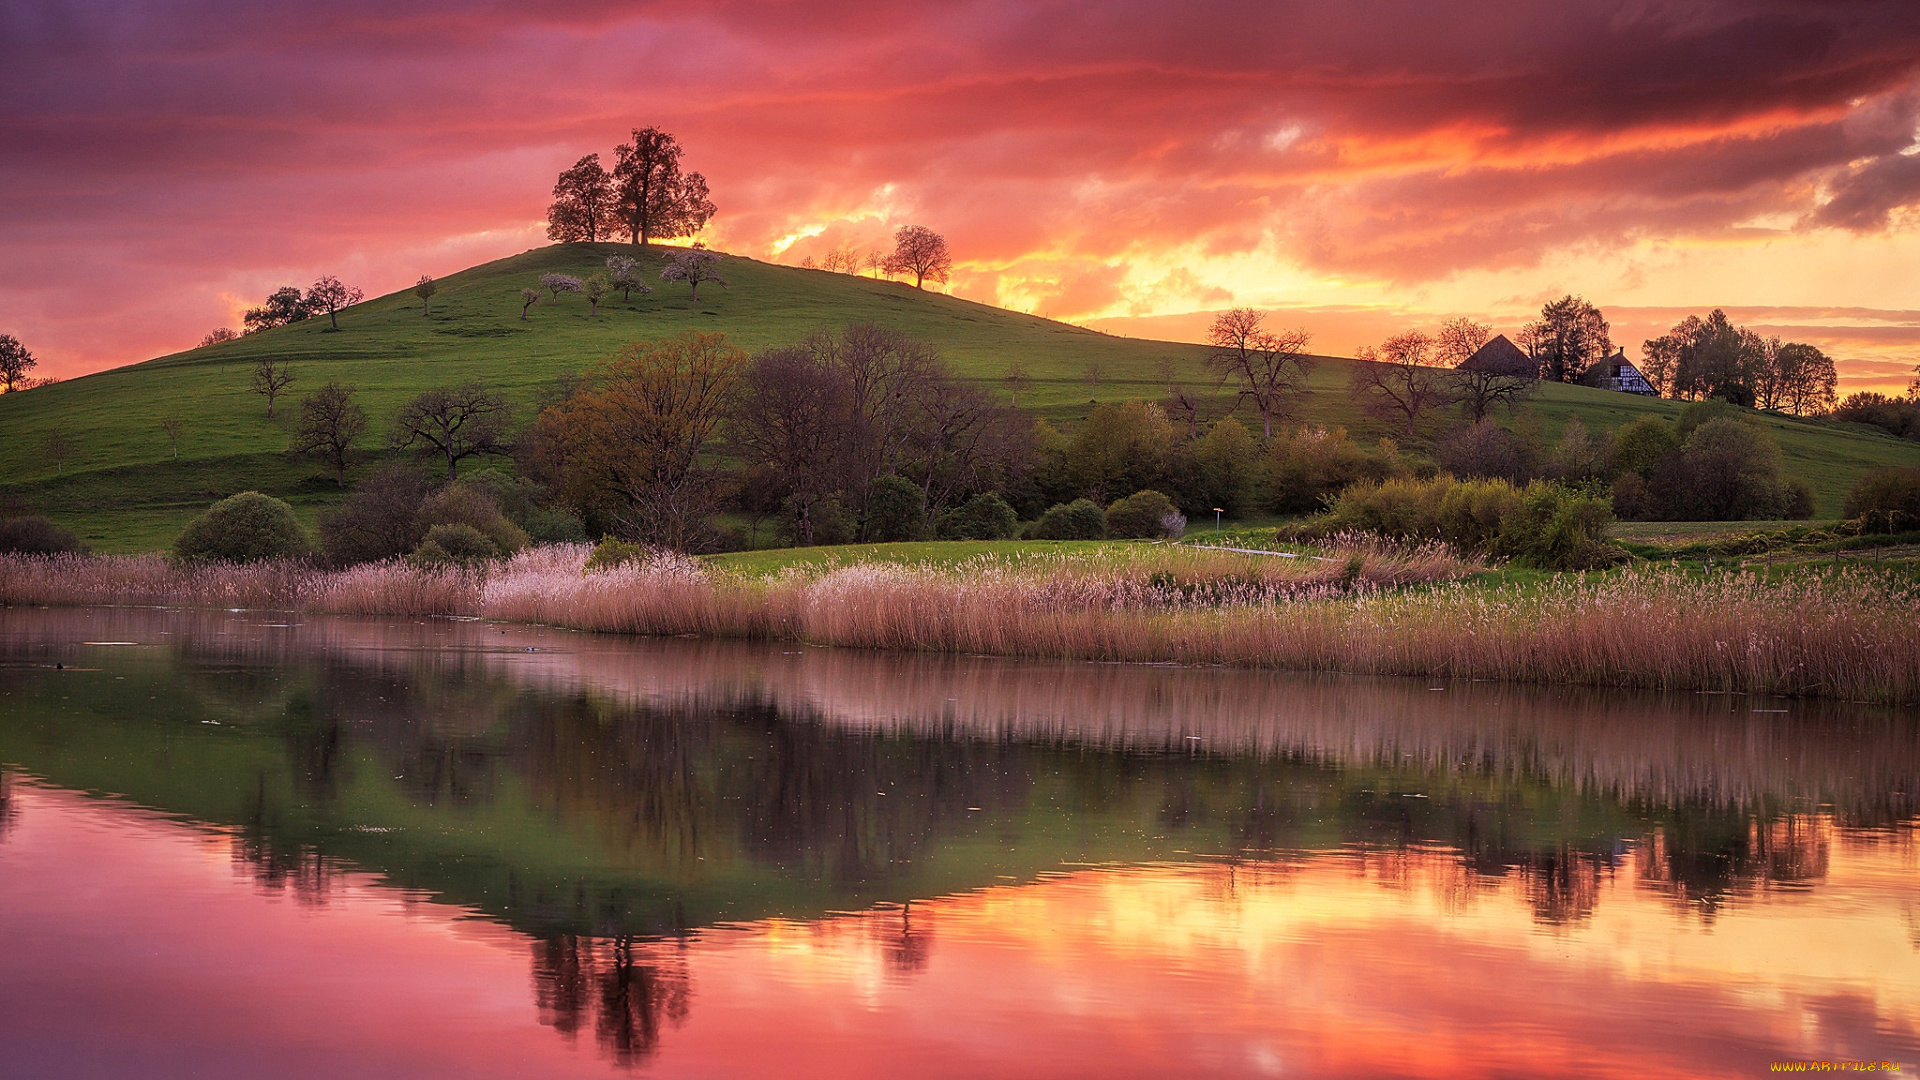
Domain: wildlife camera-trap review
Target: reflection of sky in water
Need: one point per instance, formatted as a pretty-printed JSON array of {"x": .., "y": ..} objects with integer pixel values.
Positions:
[
  {"x": 1359, "y": 962},
  {"x": 420, "y": 849}
]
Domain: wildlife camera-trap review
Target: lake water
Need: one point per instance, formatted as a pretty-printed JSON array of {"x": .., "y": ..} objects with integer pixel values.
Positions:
[{"x": 239, "y": 845}]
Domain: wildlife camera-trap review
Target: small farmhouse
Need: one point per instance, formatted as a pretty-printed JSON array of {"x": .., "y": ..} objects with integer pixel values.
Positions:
[
  {"x": 1616, "y": 372},
  {"x": 1501, "y": 357}
]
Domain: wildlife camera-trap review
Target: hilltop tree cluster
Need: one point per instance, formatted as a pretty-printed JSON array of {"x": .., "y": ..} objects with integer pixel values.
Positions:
[
  {"x": 288, "y": 304},
  {"x": 1710, "y": 357},
  {"x": 646, "y": 196},
  {"x": 917, "y": 250}
]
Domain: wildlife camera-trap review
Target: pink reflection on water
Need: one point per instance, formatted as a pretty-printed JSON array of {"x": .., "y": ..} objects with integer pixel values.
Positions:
[{"x": 129, "y": 946}]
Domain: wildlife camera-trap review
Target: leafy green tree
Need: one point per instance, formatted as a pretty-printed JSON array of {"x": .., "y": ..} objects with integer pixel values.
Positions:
[
  {"x": 15, "y": 362},
  {"x": 584, "y": 205},
  {"x": 1570, "y": 336},
  {"x": 1226, "y": 458},
  {"x": 248, "y": 527},
  {"x": 653, "y": 200}
]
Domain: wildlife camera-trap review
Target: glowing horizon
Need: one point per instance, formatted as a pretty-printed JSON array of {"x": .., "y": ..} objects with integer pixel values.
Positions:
[{"x": 1354, "y": 170}]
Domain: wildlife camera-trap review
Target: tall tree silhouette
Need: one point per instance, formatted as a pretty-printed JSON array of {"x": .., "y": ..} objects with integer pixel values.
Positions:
[
  {"x": 584, "y": 206},
  {"x": 653, "y": 199}
]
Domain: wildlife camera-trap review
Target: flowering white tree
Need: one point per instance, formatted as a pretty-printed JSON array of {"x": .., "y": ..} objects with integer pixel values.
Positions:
[
  {"x": 694, "y": 266},
  {"x": 559, "y": 283}
]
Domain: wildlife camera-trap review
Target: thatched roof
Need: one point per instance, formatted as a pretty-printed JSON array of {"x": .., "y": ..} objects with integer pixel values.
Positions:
[{"x": 1501, "y": 357}]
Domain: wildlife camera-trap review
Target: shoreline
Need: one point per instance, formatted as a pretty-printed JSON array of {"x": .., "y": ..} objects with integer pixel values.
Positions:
[{"x": 1843, "y": 634}]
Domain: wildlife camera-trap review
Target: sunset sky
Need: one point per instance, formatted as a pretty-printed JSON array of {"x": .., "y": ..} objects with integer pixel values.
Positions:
[{"x": 1355, "y": 167}]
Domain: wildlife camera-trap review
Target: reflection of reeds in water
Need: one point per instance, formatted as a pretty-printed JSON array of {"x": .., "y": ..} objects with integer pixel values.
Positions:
[
  {"x": 1724, "y": 750},
  {"x": 1845, "y": 634}
]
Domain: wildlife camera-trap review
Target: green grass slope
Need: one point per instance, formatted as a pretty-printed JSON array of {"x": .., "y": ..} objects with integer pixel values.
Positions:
[{"x": 123, "y": 490}]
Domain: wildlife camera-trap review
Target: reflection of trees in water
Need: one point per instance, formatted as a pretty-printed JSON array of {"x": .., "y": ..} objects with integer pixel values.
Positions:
[
  {"x": 627, "y": 988},
  {"x": 1703, "y": 861},
  {"x": 8, "y": 811}
]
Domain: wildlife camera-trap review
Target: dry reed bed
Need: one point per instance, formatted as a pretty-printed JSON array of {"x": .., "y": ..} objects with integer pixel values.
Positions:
[{"x": 1849, "y": 634}]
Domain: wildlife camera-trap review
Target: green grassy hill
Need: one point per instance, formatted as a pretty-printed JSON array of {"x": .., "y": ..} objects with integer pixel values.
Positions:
[{"x": 123, "y": 490}]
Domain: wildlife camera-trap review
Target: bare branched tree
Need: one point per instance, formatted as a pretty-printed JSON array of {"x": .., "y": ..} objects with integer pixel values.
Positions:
[
  {"x": 455, "y": 422},
  {"x": 1397, "y": 380},
  {"x": 58, "y": 447},
  {"x": 330, "y": 295},
  {"x": 330, "y": 421},
  {"x": 528, "y": 298},
  {"x": 1017, "y": 382},
  {"x": 1266, "y": 367},
  {"x": 424, "y": 289},
  {"x": 173, "y": 426},
  {"x": 271, "y": 377},
  {"x": 596, "y": 289},
  {"x": 1458, "y": 339},
  {"x": 790, "y": 419},
  {"x": 919, "y": 251}
]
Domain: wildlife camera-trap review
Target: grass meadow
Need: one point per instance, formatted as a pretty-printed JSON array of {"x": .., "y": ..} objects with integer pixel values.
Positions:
[{"x": 123, "y": 490}]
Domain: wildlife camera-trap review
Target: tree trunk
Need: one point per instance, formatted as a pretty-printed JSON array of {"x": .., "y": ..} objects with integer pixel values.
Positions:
[{"x": 334, "y": 318}]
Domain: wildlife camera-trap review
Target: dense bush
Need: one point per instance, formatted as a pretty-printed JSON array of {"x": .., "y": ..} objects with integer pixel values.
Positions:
[
  {"x": 1080, "y": 519},
  {"x": 1641, "y": 447},
  {"x": 1124, "y": 447},
  {"x": 609, "y": 553},
  {"x": 379, "y": 520},
  {"x": 896, "y": 511},
  {"x": 520, "y": 501},
  {"x": 1544, "y": 524},
  {"x": 1305, "y": 466},
  {"x": 36, "y": 536},
  {"x": 1224, "y": 462},
  {"x": 983, "y": 517},
  {"x": 1886, "y": 500},
  {"x": 247, "y": 527},
  {"x": 460, "y": 504},
  {"x": 1144, "y": 515},
  {"x": 458, "y": 544},
  {"x": 1895, "y": 416},
  {"x": 1727, "y": 470},
  {"x": 1486, "y": 449}
]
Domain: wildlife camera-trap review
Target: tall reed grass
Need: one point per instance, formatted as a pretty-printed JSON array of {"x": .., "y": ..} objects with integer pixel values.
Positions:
[{"x": 1848, "y": 633}]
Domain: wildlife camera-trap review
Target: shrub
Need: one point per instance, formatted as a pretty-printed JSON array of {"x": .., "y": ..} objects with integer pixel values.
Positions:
[
  {"x": 1895, "y": 416},
  {"x": 983, "y": 517},
  {"x": 1485, "y": 449},
  {"x": 552, "y": 525},
  {"x": 1886, "y": 500},
  {"x": 247, "y": 527},
  {"x": 458, "y": 545},
  {"x": 379, "y": 520},
  {"x": 609, "y": 553},
  {"x": 1143, "y": 515},
  {"x": 896, "y": 511},
  {"x": 1729, "y": 470},
  {"x": 1080, "y": 519},
  {"x": 1545, "y": 524},
  {"x": 1305, "y": 466},
  {"x": 1699, "y": 413},
  {"x": 36, "y": 536},
  {"x": 459, "y": 504},
  {"x": 1632, "y": 499},
  {"x": 1800, "y": 502},
  {"x": 1642, "y": 447}
]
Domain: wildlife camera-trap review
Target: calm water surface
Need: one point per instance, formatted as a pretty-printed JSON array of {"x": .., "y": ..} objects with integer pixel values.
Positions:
[{"x": 241, "y": 845}]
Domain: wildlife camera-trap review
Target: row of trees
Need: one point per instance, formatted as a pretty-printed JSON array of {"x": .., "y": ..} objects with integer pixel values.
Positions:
[
  {"x": 917, "y": 250},
  {"x": 646, "y": 196},
  {"x": 1711, "y": 357},
  {"x": 288, "y": 304}
]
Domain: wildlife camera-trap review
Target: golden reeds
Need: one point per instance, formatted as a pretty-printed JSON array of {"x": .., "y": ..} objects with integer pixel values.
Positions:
[{"x": 1848, "y": 634}]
